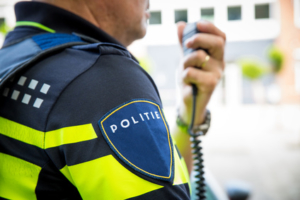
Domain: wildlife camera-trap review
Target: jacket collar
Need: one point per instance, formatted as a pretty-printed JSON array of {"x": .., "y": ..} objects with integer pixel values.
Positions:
[{"x": 44, "y": 17}]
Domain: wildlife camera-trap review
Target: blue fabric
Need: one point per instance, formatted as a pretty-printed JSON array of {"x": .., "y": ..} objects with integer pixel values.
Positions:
[
  {"x": 138, "y": 133},
  {"x": 105, "y": 49},
  {"x": 46, "y": 41},
  {"x": 25, "y": 50},
  {"x": 20, "y": 52},
  {"x": 96, "y": 46}
]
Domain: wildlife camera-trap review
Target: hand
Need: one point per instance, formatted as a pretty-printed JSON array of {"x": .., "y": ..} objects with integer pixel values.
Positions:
[{"x": 206, "y": 78}]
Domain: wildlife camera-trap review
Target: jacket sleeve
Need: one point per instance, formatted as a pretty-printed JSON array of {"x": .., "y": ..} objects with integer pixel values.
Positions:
[{"x": 94, "y": 135}]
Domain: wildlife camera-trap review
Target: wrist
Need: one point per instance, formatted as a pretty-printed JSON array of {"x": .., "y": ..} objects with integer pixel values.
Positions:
[
  {"x": 202, "y": 127},
  {"x": 186, "y": 116}
]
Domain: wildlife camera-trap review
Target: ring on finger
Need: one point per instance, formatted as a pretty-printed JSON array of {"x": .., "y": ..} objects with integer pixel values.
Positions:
[{"x": 205, "y": 61}]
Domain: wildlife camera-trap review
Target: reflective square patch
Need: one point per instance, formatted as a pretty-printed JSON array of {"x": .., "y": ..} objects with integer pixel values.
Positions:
[{"x": 138, "y": 133}]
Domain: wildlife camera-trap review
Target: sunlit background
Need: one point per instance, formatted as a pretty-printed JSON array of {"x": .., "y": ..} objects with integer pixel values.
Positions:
[{"x": 255, "y": 133}]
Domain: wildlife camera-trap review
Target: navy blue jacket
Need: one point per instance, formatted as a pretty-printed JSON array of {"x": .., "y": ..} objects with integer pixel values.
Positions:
[{"x": 84, "y": 122}]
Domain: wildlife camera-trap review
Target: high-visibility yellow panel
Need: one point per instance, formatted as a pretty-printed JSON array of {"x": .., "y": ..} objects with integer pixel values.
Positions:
[
  {"x": 185, "y": 173},
  {"x": 22, "y": 133},
  {"x": 181, "y": 175},
  {"x": 66, "y": 135},
  {"x": 18, "y": 178},
  {"x": 105, "y": 178},
  {"x": 65, "y": 171},
  {"x": 69, "y": 135}
]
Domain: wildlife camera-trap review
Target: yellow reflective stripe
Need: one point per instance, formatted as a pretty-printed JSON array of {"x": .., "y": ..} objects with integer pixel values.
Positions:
[
  {"x": 181, "y": 175},
  {"x": 106, "y": 178},
  {"x": 49, "y": 139},
  {"x": 22, "y": 133},
  {"x": 65, "y": 171},
  {"x": 18, "y": 178},
  {"x": 186, "y": 173},
  {"x": 69, "y": 135}
]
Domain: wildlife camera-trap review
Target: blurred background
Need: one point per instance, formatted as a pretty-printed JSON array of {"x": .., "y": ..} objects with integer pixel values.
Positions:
[{"x": 255, "y": 132}]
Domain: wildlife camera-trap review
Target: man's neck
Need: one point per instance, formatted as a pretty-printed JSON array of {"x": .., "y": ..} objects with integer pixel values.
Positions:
[{"x": 96, "y": 12}]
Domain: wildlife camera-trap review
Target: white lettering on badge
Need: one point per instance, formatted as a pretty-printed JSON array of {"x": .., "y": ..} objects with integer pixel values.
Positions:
[
  {"x": 141, "y": 117},
  {"x": 147, "y": 115},
  {"x": 157, "y": 115},
  {"x": 133, "y": 120},
  {"x": 152, "y": 115},
  {"x": 125, "y": 123},
  {"x": 113, "y": 128}
]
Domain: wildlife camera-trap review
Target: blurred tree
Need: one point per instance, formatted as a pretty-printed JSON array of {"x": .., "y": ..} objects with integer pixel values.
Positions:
[
  {"x": 252, "y": 69},
  {"x": 146, "y": 64},
  {"x": 276, "y": 57},
  {"x": 4, "y": 28}
]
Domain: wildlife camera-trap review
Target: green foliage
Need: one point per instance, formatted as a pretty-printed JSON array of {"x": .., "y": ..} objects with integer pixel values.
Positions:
[
  {"x": 276, "y": 57},
  {"x": 4, "y": 29},
  {"x": 252, "y": 68},
  {"x": 146, "y": 64}
]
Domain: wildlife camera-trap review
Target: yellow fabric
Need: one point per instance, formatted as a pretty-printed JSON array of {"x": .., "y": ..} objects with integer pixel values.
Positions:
[
  {"x": 65, "y": 171},
  {"x": 186, "y": 174},
  {"x": 69, "y": 135},
  {"x": 96, "y": 178},
  {"x": 105, "y": 178},
  {"x": 22, "y": 133},
  {"x": 18, "y": 178},
  {"x": 181, "y": 173},
  {"x": 49, "y": 139}
]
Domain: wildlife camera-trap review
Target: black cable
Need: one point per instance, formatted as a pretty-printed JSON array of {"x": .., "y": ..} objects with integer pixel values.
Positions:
[
  {"x": 198, "y": 160},
  {"x": 190, "y": 30}
]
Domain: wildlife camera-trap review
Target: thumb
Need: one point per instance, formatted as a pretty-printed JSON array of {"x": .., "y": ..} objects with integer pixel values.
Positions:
[{"x": 180, "y": 28}]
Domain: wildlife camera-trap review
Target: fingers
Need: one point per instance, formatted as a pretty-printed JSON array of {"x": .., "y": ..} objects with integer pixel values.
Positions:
[
  {"x": 180, "y": 28},
  {"x": 212, "y": 40},
  {"x": 201, "y": 60},
  {"x": 197, "y": 59},
  {"x": 205, "y": 81},
  {"x": 212, "y": 43},
  {"x": 206, "y": 27}
]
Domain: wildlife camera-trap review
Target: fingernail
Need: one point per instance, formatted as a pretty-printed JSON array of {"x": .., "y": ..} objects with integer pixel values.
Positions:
[
  {"x": 202, "y": 21},
  {"x": 188, "y": 42}
]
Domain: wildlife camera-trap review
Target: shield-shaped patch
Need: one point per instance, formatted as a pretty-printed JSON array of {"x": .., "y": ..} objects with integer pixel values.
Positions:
[{"x": 138, "y": 133}]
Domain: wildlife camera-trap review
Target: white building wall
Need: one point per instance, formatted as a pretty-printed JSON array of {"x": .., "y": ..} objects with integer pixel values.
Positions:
[
  {"x": 233, "y": 85},
  {"x": 297, "y": 13},
  {"x": 7, "y": 12},
  {"x": 297, "y": 69},
  {"x": 248, "y": 28},
  {"x": 166, "y": 34}
]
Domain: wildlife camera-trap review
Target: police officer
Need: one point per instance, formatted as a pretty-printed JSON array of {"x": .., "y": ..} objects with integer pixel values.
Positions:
[{"x": 86, "y": 122}]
